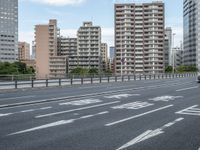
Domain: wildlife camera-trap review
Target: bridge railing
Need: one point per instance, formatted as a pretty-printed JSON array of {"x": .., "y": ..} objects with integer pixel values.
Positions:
[{"x": 18, "y": 84}]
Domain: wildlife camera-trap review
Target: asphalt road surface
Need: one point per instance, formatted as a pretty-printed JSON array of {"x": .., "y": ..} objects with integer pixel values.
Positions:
[{"x": 138, "y": 115}]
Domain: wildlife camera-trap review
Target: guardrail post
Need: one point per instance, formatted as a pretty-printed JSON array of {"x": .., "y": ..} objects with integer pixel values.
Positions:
[
  {"x": 154, "y": 76},
  {"x": 140, "y": 77},
  {"x": 15, "y": 84},
  {"x": 134, "y": 77},
  {"x": 149, "y": 77},
  {"x": 46, "y": 82},
  {"x": 100, "y": 79},
  {"x": 71, "y": 81},
  {"x": 145, "y": 77},
  {"x": 91, "y": 80},
  {"x": 59, "y": 82},
  {"x": 108, "y": 79},
  {"x": 115, "y": 78},
  {"x": 81, "y": 80},
  {"x": 32, "y": 83},
  {"x": 129, "y": 78},
  {"x": 122, "y": 78}
]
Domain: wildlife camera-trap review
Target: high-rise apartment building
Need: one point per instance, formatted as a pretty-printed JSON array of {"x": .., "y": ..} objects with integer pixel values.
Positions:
[
  {"x": 48, "y": 63},
  {"x": 191, "y": 12},
  {"x": 8, "y": 30},
  {"x": 139, "y": 38},
  {"x": 67, "y": 46},
  {"x": 23, "y": 51},
  {"x": 88, "y": 48}
]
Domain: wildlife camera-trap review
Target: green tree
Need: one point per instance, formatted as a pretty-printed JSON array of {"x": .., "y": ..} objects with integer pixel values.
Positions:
[{"x": 168, "y": 69}]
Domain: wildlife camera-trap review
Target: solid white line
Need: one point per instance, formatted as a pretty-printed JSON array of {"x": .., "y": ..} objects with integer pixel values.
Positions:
[
  {"x": 88, "y": 116},
  {"x": 44, "y": 108},
  {"x": 17, "y": 98},
  {"x": 105, "y": 112},
  {"x": 2, "y": 115},
  {"x": 78, "y": 109},
  {"x": 137, "y": 116},
  {"x": 30, "y": 110},
  {"x": 185, "y": 89}
]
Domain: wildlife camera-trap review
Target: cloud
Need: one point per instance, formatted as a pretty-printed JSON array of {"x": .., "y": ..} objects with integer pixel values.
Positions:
[{"x": 60, "y": 2}]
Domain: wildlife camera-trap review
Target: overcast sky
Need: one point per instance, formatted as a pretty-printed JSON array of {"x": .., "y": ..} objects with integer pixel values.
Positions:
[{"x": 71, "y": 13}]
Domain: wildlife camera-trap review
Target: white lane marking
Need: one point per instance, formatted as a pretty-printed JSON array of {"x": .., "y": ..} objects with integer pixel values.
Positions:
[
  {"x": 2, "y": 115},
  {"x": 193, "y": 110},
  {"x": 88, "y": 116},
  {"x": 133, "y": 105},
  {"x": 4, "y": 99},
  {"x": 82, "y": 102},
  {"x": 119, "y": 96},
  {"x": 57, "y": 123},
  {"x": 62, "y": 122},
  {"x": 78, "y": 109},
  {"x": 104, "y": 112},
  {"x": 44, "y": 108},
  {"x": 140, "y": 115},
  {"x": 185, "y": 89},
  {"x": 149, "y": 134},
  {"x": 165, "y": 98},
  {"x": 30, "y": 110}
]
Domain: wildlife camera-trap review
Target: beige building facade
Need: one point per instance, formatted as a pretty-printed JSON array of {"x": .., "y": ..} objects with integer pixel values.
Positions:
[
  {"x": 23, "y": 51},
  {"x": 48, "y": 63},
  {"x": 139, "y": 38}
]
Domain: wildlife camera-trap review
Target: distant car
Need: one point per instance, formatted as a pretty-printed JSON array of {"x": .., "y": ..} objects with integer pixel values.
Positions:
[{"x": 198, "y": 77}]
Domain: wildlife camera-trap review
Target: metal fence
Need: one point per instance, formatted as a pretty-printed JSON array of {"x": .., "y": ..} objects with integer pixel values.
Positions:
[{"x": 92, "y": 80}]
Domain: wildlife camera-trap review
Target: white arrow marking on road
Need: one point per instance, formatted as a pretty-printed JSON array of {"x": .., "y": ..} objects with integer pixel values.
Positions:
[
  {"x": 119, "y": 96},
  {"x": 58, "y": 123},
  {"x": 62, "y": 122},
  {"x": 149, "y": 134},
  {"x": 165, "y": 98}
]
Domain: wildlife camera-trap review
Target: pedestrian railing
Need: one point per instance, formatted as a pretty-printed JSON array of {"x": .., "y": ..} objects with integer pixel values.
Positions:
[{"x": 17, "y": 84}]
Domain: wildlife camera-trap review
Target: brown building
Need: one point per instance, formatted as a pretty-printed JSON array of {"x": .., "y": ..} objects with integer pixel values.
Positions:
[
  {"x": 139, "y": 38},
  {"x": 104, "y": 55},
  {"x": 23, "y": 51},
  {"x": 48, "y": 64}
]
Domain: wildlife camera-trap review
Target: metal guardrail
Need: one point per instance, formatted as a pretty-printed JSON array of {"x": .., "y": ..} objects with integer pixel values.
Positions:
[{"x": 92, "y": 80}]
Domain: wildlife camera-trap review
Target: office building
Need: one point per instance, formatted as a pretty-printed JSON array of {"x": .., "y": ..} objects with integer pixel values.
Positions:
[
  {"x": 23, "y": 51},
  {"x": 8, "y": 30},
  {"x": 139, "y": 38},
  {"x": 191, "y": 12}
]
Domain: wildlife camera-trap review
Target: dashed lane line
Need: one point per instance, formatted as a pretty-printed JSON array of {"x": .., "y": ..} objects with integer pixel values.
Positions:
[{"x": 78, "y": 109}]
